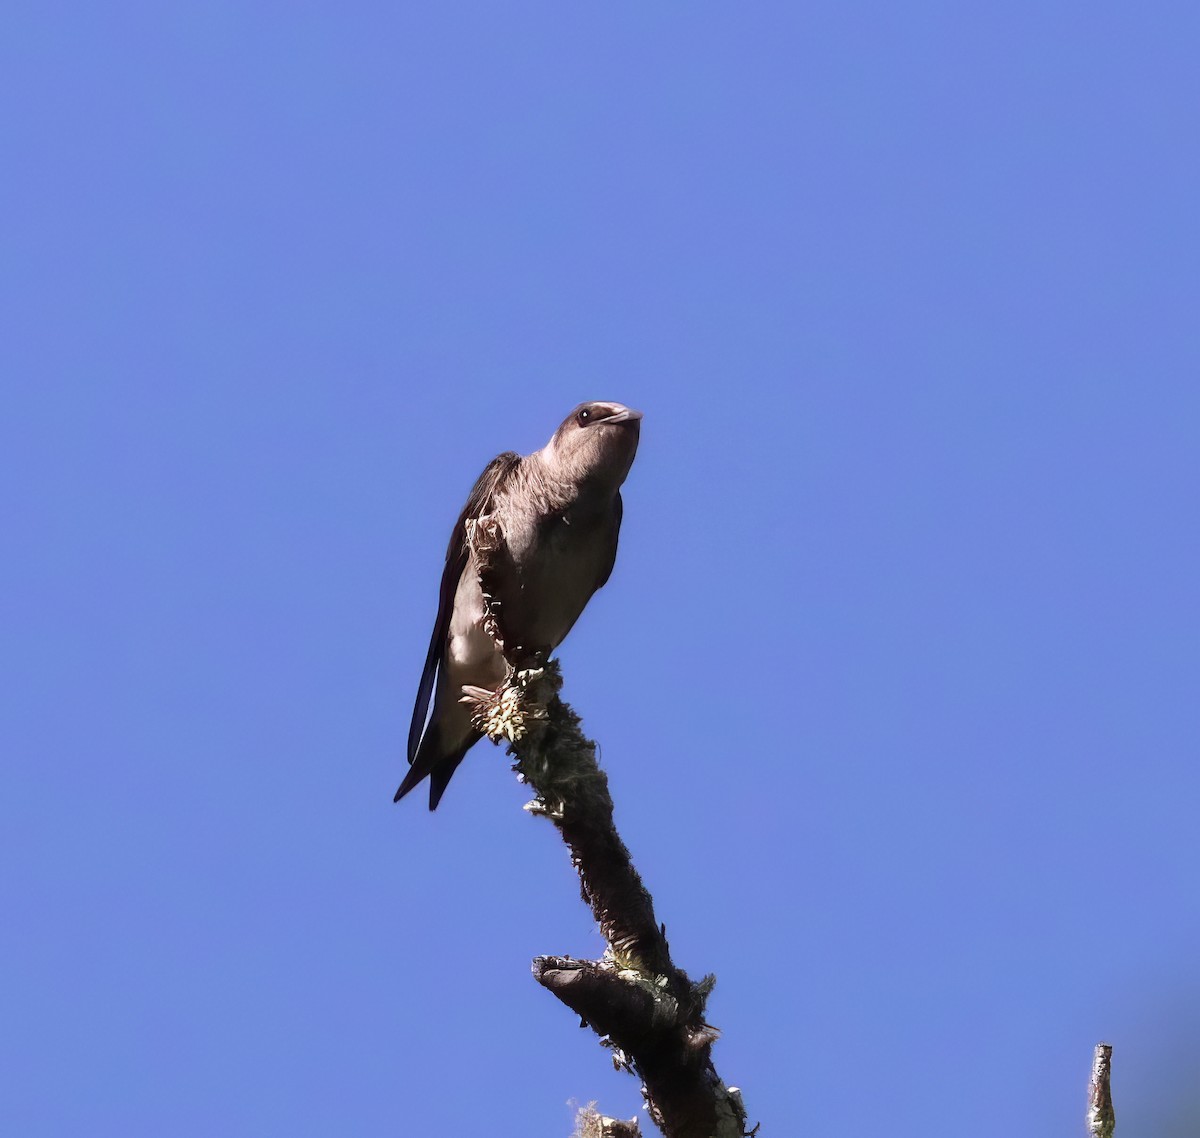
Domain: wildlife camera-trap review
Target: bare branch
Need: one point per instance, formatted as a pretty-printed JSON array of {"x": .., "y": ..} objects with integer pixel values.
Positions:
[{"x": 1101, "y": 1120}]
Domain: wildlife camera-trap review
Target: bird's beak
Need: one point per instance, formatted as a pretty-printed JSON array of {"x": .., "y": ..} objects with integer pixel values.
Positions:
[{"x": 626, "y": 415}]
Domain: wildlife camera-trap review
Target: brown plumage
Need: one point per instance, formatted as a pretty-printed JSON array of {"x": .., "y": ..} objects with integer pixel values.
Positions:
[{"x": 558, "y": 514}]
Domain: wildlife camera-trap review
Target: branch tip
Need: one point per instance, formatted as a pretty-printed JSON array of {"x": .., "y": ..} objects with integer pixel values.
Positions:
[{"x": 1101, "y": 1119}]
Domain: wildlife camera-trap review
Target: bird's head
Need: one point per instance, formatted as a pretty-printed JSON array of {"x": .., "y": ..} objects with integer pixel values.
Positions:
[{"x": 597, "y": 442}]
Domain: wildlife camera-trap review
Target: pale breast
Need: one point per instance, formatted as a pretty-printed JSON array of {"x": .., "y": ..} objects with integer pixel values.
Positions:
[
  {"x": 558, "y": 571},
  {"x": 471, "y": 651}
]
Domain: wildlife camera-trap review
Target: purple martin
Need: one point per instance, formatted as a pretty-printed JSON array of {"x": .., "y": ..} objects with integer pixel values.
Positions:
[{"x": 558, "y": 513}]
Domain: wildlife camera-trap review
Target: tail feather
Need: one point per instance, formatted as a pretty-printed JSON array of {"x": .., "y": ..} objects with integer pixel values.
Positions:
[
  {"x": 411, "y": 779},
  {"x": 440, "y": 776},
  {"x": 430, "y": 760}
]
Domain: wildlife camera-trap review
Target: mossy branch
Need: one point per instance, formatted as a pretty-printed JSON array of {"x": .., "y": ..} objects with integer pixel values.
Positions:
[{"x": 644, "y": 1008}]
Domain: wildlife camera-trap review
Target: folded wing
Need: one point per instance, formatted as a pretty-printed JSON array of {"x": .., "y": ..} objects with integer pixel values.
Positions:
[{"x": 479, "y": 503}]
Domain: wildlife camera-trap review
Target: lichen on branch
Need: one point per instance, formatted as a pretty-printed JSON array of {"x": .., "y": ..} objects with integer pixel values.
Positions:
[{"x": 647, "y": 1011}]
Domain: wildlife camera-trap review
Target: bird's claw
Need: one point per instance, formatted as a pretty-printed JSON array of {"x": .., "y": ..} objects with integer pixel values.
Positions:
[{"x": 506, "y": 712}]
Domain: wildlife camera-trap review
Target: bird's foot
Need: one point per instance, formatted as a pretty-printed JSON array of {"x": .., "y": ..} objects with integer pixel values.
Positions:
[
  {"x": 508, "y": 712},
  {"x": 522, "y": 660}
]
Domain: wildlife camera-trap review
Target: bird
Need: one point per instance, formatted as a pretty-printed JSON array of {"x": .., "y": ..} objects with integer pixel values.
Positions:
[{"x": 557, "y": 513}]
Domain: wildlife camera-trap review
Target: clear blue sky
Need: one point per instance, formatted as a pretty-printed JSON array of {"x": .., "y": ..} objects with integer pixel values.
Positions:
[{"x": 896, "y": 679}]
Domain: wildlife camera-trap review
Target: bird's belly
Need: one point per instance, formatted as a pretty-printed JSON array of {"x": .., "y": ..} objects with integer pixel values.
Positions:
[{"x": 554, "y": 587}]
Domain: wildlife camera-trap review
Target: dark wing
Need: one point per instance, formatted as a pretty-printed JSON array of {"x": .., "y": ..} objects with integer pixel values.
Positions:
[
  {"x": 607, "y": 567},
  {"x": 478, "y": 503}
]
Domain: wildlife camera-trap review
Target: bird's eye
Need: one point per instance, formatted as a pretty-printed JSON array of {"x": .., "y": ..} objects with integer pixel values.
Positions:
[{"x": 584, "y": 417}]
